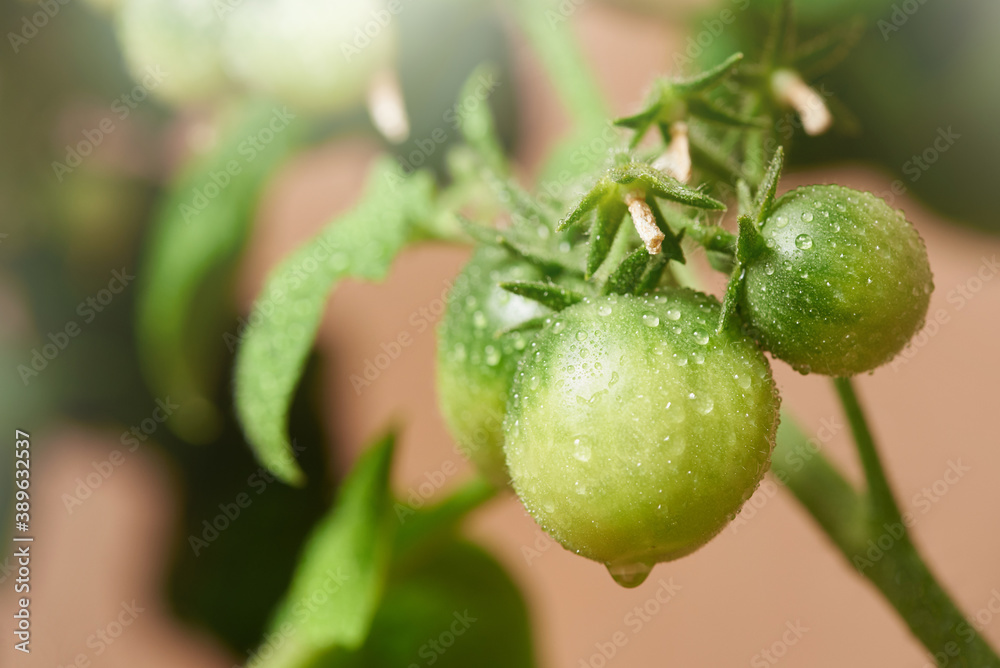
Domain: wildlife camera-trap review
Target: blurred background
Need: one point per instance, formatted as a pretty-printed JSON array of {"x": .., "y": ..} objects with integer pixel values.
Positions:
[{"x": 113, "y": 111}]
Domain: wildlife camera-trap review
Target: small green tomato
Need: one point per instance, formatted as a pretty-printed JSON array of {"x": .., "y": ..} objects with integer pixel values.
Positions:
[
  {"x": 474, "y": 367},
  {"x": 315, "y": 55},
  {"x": 172, "y": 46},
  {"x": 842, "y": 285},
  {"x": 635, "y": 432}
]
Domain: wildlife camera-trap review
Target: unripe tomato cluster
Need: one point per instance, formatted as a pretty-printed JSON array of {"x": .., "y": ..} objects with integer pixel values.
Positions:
[{"x": 634, "y": 427}]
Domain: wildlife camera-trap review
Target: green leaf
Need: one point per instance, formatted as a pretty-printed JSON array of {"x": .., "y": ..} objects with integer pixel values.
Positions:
[
  {"x": 625, "y": 278},
  {"x": 195, "y": 233},
  {"x": 749, "y": 244},
  {"x": 610, "y": 214},
  {"x": 492, "y": 237},
  {"x": 710, "y": 77},
  {"x": 663, "y": 186},
  {"x": 418, "y": 527},
  {"x": 361, "y": 243},
  {"x": 588, "y": 202},
  {"x": 768, "y": 187},
  {"x": 745, "y": 199},
  {"x": 457, "y": 608},
  {"x": 346, "y": 558},
  {"x": 639, "y": 122},
  {"x": 552, "y": 295}
]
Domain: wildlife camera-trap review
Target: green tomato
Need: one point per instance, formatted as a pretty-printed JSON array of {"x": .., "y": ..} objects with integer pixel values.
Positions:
[
  {"x": 315, "y": 55},
  {"x": 635, "y": 432},
  {"x": 842, "y": 285},
  {"x": 178, "y": 42},
  {"x": 474, "y": 367}
]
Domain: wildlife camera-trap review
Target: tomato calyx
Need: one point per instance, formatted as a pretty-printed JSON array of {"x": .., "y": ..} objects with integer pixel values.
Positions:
[{"x": 750, "y": 242}]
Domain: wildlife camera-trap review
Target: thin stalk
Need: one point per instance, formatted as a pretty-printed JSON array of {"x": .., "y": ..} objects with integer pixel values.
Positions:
[
  {"x": 883, "y": 503},
  {"x": 560, "y": 54},
  {"x": 879, "y": 547}
]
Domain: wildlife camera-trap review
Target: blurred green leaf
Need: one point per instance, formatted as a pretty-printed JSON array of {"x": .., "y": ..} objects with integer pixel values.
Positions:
[
  {"x": 340, "y": 577},
  {"x": 361, "y": 243},
  {"x": 201, "y": 224},
  {"x": 457, "y": 608},
  {"x": 418, "y": 527}
]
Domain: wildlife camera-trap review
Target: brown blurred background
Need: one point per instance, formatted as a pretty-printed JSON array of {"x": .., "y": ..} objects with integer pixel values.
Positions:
[{"x": 933, "y": 410}]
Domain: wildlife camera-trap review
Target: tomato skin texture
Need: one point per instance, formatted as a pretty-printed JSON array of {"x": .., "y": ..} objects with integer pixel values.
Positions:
[
  {"x": 843, "y": 286},
  {"x": 635, "y": 433},
  {"x": 474, "y": 368}
]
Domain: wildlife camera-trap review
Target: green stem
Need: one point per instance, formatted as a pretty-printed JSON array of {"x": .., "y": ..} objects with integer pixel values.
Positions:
[
  {"x": 549, "y": 32},
  {"x": 878, "y": 546},
  {"x": 883, "y": 503}
]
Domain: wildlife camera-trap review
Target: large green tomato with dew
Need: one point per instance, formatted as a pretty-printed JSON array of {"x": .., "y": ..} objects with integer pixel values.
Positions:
[{"x": 635, "y": 432}]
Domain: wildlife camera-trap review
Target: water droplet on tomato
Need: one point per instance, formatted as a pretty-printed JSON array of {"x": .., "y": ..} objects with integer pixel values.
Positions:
[{"x": 629, "y": 575}]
